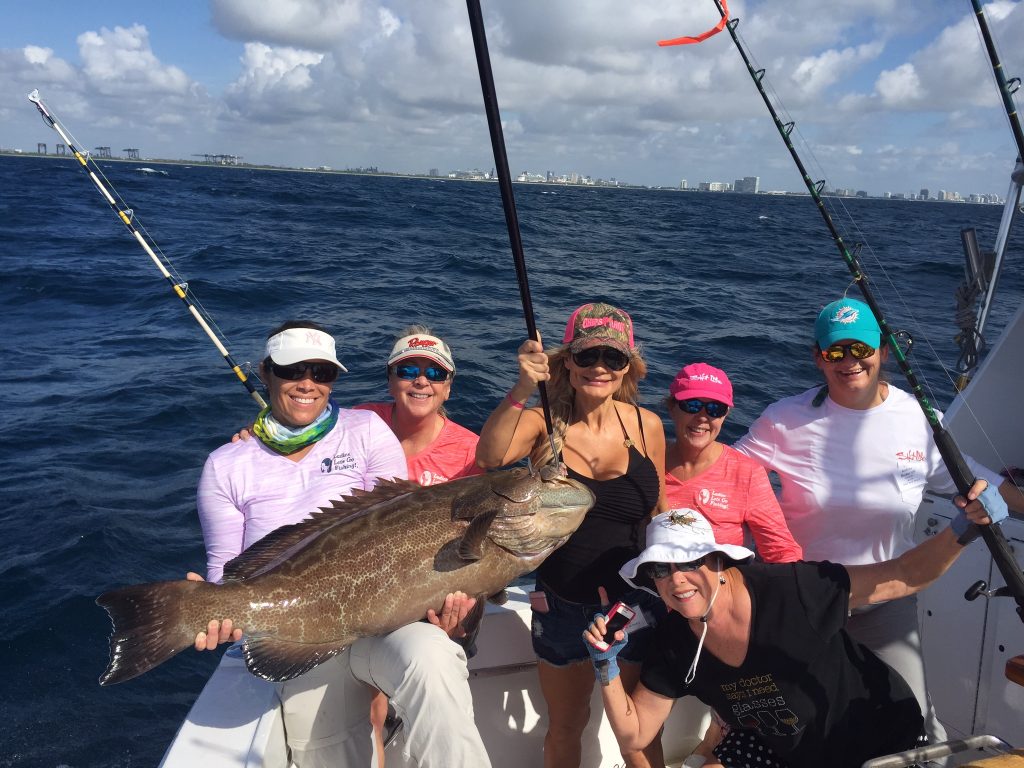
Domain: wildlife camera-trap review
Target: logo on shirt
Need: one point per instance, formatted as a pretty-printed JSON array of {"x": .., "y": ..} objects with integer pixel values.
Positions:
[
  {"x": 431, "y": 478},
  {"x": 707, "y": 498},
  {"x": 910, "y": 455},
  {"x": 338, "y": 463}
]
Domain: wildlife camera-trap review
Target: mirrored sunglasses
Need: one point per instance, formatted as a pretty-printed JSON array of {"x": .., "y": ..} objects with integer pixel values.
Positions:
[
  {"x": 713, "y": 408},
  {"x": 837, "y": 352},
  {"x": 321, "y": 373},
  {"x": 613, "y": 359},
  {"x": 661, "y": 570},
  {"x": 412, "y": 372}
]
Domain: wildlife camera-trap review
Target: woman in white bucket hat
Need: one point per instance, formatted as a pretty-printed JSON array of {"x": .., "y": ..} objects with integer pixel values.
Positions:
[{"x": 763, "y": 644}]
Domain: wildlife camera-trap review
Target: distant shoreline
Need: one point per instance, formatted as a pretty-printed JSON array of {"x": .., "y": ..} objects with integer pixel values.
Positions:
[{"x": 395, "y": 175}]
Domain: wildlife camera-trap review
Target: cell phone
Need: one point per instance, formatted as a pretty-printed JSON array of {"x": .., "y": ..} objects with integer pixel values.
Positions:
[{"x": 617, "y": 618}]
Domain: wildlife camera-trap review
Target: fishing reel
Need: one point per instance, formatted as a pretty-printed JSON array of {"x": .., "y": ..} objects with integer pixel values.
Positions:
[{"x": 980, "y": 589}]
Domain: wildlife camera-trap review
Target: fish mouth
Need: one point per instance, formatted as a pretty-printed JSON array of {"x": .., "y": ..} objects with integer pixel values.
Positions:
[{"x": 541, "y": 510}]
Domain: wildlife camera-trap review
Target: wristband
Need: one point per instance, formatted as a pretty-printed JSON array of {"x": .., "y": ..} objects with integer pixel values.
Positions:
[
  {"x": 606, "y": 665},
  {"x": 515, "y": 403}
]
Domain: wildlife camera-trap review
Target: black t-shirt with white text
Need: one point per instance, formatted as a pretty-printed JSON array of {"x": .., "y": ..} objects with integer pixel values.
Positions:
[{"x": 814, "y": 695}]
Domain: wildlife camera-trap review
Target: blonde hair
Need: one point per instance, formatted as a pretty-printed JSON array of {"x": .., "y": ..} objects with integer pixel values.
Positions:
[
  {"x": 562, "y": 397},
  {"x": 418, "y": 329}
]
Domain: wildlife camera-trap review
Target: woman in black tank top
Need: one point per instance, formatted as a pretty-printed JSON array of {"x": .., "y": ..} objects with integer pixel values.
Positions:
[{"x": 615, "y": 448}]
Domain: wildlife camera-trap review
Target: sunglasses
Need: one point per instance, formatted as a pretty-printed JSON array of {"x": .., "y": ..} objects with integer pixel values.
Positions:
[
  {"x": 321, "y": 373},
  {"x": 613, "y": 359},
  {"x": 837, "y": 352},
  {"x": 713, "y": 408},
  {"x": 413, "y": 372},
  {"x": 661, "y": 570}
]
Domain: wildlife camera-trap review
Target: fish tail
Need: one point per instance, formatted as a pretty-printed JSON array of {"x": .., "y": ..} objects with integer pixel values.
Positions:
[{"x": 150, "y": 625}]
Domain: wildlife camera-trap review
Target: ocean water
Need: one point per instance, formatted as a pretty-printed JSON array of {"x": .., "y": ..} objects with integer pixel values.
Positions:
[{"x": 113, "y": 396}]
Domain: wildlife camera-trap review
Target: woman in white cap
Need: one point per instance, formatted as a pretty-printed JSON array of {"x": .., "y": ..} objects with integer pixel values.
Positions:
[
  {"x": 308, "y": 452},
  {"x": 616, "y": 449},
  {"x": 731, "y": 490},
  {"x": 420, "y": 371},
  {"x": 854, "y": 458},
  {"x": 764, "y": 645}
]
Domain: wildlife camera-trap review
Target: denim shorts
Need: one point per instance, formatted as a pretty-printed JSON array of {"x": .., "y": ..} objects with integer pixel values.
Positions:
[{"x": 558, "y": 634}]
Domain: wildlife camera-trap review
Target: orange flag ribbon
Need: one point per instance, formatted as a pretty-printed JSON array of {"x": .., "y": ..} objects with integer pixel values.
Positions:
[{"x": 703, "y": 35}]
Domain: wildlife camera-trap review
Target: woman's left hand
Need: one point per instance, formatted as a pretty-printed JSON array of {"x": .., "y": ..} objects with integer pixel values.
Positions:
[{"x": 982, "y": 506}]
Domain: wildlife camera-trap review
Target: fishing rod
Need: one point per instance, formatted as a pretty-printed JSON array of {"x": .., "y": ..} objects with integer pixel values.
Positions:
[
  {"x": 508, "y": 201},
  {"x": 1006, "y": 90},
  {"x": 952, "y": 457},
  {"x": 127, "y": 217}
]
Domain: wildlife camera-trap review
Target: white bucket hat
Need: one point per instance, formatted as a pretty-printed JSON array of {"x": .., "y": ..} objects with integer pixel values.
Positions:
[
  {"x": 678, "y": 536},
  {"x": 297, "y": 344}
]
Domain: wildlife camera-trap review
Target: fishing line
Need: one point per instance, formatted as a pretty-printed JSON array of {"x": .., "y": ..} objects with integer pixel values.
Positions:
[
  {"x": 508, "y": 201},
  {"x": 952, "y": 457},
  {"x": 127, "y": 216},
  {"x": 838, "y": 210}
]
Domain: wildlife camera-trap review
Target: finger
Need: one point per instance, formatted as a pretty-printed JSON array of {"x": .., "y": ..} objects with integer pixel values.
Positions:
[
  {"x": 602, "y": 594},
  {"x": 432, "y": 617},
  {"x": 200, "y": 641},
  {"x": 226, "y": 630},
  {"x": 212, "y": 633},
  {"x": 193, "y": 576},
  {"x": 237, "y": 635}
]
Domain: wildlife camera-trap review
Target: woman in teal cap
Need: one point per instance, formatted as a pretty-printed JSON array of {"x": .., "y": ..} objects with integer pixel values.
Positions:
[{"x": 854, "y": 458}]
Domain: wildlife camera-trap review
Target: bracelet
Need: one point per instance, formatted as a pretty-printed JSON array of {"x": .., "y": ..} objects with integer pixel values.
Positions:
[{"x": 515, "y": 403}]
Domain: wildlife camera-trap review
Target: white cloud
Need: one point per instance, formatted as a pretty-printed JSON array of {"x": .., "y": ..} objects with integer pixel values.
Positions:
[
  {"x": 121, "y": 58},
  {"x": 900, "y": 86},
  {"x": 816, "y": 73}
]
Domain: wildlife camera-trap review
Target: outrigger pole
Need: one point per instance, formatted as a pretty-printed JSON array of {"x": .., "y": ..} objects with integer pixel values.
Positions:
[
  {"x": 948, "y": 449},
  {"x": 1006, "y": 90},
  {"x": 127, "y": 216},
  {"x": 1006, "y": 87},
  {"x": 508, "y": 200}
]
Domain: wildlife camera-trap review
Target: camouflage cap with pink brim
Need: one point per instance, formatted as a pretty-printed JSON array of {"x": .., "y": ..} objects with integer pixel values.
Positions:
[{"x": 599, "y": 324}]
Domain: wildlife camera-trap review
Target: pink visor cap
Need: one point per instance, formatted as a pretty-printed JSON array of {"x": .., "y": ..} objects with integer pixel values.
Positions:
[
  {"x": 599, "y": 324},
  {"x": 701, "y": 380}
]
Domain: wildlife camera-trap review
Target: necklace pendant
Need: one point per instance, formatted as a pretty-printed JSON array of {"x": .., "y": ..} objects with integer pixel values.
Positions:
[{"x": 628, "y": 442}]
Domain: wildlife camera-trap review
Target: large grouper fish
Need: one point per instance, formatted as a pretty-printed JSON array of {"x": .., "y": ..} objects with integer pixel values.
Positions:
[{"x": 371, "y": 563}]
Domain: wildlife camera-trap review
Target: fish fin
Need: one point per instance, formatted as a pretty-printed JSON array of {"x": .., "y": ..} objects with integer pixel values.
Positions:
[
  {"x": 471, "y": 547},
  {"x": 499, "y": 598},
  {"x": 279, "y": 545},
  {"x": 275, "y": 659},
  {"x": 149, "y": 626},
  {"x": 471, "y": 624},
  {"x": 518, "y": 535}
]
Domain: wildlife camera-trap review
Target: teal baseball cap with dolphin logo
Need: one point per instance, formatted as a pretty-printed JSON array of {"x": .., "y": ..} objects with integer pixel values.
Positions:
[{"x": 846, "y": 319}]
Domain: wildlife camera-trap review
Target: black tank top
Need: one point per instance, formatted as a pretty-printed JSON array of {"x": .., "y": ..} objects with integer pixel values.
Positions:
[{"x": 611, "y": 532}]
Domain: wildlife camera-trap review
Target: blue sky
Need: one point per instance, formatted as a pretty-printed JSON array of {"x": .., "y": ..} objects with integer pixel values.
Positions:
[{"x": 889, "y": 95}]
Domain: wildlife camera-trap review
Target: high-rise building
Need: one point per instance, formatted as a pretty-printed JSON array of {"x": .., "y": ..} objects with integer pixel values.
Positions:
[
  {"x": 682, "y": 184},
  {"x": 924, "y": 195},
  {"x": 748, "y": 184}
]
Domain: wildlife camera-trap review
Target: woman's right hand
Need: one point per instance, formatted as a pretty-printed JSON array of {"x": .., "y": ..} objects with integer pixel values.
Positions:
[
  {"x": 245, "y": 433},
  {"x": 533, "y": 367},
  {"x": 217, "y": 632}
]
